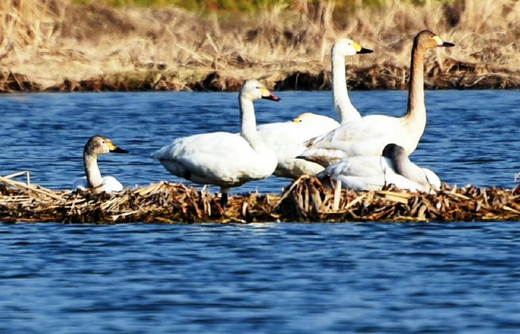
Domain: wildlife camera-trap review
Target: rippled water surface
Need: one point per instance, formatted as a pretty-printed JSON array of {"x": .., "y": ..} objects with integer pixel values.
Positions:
[
  {"x": 471, "y": 136},
  {"x": 264, "y": 278},
  {"x": 256, "y": 278}
]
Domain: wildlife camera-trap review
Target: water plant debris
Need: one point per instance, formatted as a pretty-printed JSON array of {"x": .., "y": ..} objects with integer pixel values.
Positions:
[{"x": 305, "y": 200}]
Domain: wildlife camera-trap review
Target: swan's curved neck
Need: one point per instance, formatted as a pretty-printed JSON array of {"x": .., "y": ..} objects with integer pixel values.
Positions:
[
  {"x": 342, "y": 104},
  {"x": 92, "y": 171},
  {"x": 248, "y": 125},
  {"x": 416, "y": 104},
  {"x": 403, "y": 166}
]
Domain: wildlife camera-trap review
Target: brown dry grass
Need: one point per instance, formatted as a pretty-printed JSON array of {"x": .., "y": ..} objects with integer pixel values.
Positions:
[
  {"x": 305, "y": 200},
  {"x": 55, "y": 45}
]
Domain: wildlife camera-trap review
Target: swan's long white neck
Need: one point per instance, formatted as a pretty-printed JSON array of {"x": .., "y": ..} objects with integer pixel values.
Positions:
[
  {"x": 92, "y": 170},
  {"x": 248, "y": 125},
  {"x": 344, "y": 108}
]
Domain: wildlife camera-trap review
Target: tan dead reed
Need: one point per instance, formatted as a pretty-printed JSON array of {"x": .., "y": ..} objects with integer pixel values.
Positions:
[
  {"x": 58, "y": 45},
  {"x": 305, "y": 200}
]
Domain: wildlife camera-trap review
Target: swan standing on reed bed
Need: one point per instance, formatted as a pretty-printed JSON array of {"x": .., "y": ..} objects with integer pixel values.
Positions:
[
  {"x": 97, "y": 145},
  {"x": 222, "y": 158},
  {"x": 287, "y": 138},
  {"x": 369, "y": 135},
  {"x": 373, "y": 173}
]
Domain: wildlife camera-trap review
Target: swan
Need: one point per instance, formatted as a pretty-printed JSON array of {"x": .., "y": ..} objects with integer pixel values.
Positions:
[
  {"x": 373, "y": 173},
  {"x": 369, "y": 135},
  {"x": 97, "y": 145},
  {"x": 221, "y": 158},
  {"x": 287, "y": 138}
]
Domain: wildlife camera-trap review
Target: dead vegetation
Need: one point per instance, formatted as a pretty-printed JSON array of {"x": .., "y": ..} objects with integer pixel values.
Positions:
[
  {"x": 305, "y": 200},
  {"x": 56, "y": 45}
]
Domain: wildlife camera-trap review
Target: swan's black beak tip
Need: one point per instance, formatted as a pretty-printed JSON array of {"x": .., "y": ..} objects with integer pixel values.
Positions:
[{"x": 364, "y": 51}]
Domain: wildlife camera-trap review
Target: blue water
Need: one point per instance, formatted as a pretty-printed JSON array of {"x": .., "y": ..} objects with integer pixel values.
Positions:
[
  {"x": 260, "y": 278},
  {"x": 471, "y": 136},
  {"x": 256, "y": 278}
]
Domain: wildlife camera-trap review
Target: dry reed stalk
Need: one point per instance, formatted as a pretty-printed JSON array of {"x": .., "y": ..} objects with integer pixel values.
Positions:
[
  {"x": 305, "y": 200},
  {"x": 60, "y": 46}
]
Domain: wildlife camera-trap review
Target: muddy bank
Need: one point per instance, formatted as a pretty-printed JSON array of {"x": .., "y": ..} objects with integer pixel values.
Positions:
[{"x": 462, "y": 76}]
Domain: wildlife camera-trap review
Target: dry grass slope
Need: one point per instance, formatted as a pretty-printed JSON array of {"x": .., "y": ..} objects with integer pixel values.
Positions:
[{"x": 57, "y": 45}]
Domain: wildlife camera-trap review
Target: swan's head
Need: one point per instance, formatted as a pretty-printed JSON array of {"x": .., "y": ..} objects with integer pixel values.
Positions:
[
  {"x": 428, "y": 40},
  {"x": 98, "y": 145},
  {"x": 347, "y": 47},
  {"x": 304, "y": 118},
  {"x": 254, "y": 90},
  {"x": 315, "y": 119},
  {"x": 394, "y": 152}
]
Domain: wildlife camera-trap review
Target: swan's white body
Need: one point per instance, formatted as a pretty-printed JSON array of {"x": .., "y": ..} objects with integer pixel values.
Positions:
[
  {"x": 221, "y": 158},
  {"x": 110, "y": 184},
  {"x": 369, "y": 135},
  {"x": 287, "y": 138},
  {"x": 97, "y": 145},
  {"x": 373, "y": 173}
]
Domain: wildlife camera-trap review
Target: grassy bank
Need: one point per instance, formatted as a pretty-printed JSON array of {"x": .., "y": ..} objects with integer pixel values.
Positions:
[{"x": 94, "y": 45}]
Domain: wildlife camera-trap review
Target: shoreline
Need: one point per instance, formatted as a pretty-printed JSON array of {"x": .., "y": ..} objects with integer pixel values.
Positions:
[
  {"x": 62, "y": 46},
  {"x": 370, "y": 78}
]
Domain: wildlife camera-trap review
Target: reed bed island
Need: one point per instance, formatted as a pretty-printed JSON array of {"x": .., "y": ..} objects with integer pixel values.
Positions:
[
  {"x": 81, "y": 45},
  {"x": 304, "y": 200}
]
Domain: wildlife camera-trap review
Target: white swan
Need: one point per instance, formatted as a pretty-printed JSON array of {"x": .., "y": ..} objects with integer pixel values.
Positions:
[
  {"x": 373, "y": 173},
  {"x": 221, "y": 158},
  {"x": 97, "y": 145},
  {"x": 287, "y": 138},
  {"x": 369, "y": 135}
]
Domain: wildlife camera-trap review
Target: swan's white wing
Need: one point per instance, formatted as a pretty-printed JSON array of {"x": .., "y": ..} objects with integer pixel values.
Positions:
[
  {"x": 80, "y": 184},
  {"x": 219, "y": 158},
  {"x": 367, "y": 173},
  {"x": 366, "y": 137},
  {"x": 287, "y": 139},
  {"x": 110, "y": 184},
  {"x": 432, "y": 178}
]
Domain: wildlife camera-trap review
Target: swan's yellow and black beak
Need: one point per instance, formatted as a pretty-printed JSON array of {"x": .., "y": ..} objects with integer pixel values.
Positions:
[
  {"x": 361, "y": 50},
  {"x": 266, "y": 94},
  {"x": 115, "y": 149},
  {"x": 441, "y": 43}
]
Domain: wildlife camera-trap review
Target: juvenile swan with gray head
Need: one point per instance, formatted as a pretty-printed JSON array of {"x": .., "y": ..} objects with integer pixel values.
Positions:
[{"x": 373, "y": 173}]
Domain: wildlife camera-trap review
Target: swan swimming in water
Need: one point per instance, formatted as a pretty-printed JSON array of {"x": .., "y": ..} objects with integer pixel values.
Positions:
[
  {"x": 97, "y": 145},
  {"x": 369, "y": 135},
  {"x": 224, "y": 159},
  {"x": 373, "y": 173},
  {"x": 287, "y": 138}
]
